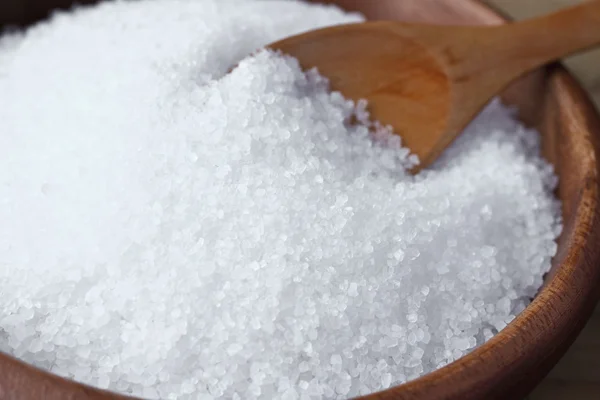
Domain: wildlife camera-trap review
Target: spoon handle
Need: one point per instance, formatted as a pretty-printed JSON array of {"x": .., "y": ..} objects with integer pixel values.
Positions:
[
  {"x": 484, "y": 60},
  {"x": 535, "y": 42}
]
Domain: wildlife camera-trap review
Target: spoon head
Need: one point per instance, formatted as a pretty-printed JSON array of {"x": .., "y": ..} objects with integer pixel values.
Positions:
[{"x": 405, "y": 85}]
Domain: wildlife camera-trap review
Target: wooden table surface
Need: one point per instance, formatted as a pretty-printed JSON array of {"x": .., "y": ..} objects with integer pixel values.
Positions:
[{"x": 577, "y": 376}]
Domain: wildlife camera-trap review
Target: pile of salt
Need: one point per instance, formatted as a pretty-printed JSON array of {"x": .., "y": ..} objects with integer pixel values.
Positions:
[{"x": 173, "y": 231}]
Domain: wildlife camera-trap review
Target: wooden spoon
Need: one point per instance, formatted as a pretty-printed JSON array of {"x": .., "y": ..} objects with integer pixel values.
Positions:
[{"x": 428, "y": 82}]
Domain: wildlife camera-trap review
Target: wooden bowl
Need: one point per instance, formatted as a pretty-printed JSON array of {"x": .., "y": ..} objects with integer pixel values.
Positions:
[{"x": 514, "y": 361}]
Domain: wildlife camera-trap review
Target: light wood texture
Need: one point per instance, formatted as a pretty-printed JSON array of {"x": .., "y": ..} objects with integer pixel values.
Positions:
[
  {"x": 428, "y": 82},
  {"x": 577, "y": 375},
  {"x": 513, "y": 362},
  {"x": 586, "y": 66}
]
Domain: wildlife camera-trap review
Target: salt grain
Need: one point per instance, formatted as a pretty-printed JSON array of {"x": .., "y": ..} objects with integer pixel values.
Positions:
[{"x": 172, "y": 230}]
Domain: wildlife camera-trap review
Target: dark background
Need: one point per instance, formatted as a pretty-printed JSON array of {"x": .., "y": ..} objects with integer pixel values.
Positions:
[{"x": 22, "y": 12}]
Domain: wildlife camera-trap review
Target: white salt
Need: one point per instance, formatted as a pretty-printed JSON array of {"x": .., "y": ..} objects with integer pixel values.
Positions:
[{"x": 170, "y": 230}]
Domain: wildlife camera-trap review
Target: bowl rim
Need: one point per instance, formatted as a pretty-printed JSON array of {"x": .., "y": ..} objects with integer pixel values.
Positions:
[
  {"x": 548, "y": 320},
  {"x": 486, "y": 372}
]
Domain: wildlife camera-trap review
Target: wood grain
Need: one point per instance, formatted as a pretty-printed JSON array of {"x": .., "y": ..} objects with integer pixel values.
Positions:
[
  {"x": 577, "y": 375},
  {"x": 428, "y": 82},
  {"x": 581, "y": 64},
  {"x": 512, "y": 363}
]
